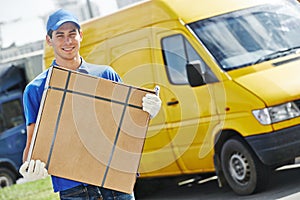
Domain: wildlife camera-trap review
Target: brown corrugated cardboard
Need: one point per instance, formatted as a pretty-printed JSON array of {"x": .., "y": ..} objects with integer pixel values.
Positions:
[{"x": 90, "y": 129}]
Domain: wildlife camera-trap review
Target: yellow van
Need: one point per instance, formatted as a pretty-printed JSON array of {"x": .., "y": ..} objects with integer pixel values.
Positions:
[{"x": 229, "y": 77}]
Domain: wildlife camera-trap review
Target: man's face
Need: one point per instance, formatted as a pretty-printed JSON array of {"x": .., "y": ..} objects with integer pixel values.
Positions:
[{"x": 65, "y": 42}]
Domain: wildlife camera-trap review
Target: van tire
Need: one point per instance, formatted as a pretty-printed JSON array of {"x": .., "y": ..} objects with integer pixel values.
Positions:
[
  {"x": 243, "y": 171},
  {"x": 7, "y": 177}
]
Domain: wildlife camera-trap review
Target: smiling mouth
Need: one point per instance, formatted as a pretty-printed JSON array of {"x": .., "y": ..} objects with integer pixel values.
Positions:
[{"x": 68, "y": 49}]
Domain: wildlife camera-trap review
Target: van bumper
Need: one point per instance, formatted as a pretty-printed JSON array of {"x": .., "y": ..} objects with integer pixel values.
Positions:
[{"x": 276, "y": 147}]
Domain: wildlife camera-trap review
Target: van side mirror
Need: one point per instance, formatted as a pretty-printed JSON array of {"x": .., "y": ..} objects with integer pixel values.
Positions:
[{"x": 195, "y": 73}]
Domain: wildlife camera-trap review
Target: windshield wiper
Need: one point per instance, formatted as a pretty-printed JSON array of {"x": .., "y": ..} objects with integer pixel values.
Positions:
[{"x": 276, "y": 54}]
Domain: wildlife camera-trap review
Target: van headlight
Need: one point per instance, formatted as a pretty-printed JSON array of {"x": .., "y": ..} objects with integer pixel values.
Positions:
[{"x": 277, "y": 113}]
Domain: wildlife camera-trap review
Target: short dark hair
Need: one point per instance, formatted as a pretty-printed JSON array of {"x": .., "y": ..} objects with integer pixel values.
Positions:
[{"x": 49, "y": 33}]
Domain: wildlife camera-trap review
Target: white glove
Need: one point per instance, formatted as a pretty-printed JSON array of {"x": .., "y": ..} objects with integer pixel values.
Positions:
[
  {"x": 33, "y": 170},
  {"x": 152, "y": 103}
]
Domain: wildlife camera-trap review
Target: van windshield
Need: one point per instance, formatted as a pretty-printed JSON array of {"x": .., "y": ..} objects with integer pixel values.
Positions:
[{"x": 252, "y": 35}]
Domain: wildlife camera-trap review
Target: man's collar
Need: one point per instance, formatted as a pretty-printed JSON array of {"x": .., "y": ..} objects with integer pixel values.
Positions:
[{"x": 82, "y": 68}]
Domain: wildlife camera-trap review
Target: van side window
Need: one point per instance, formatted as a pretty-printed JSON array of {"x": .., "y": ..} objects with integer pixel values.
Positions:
[
  {"x": 177, "y": 52},
  {"x": 12, "y": 114}
]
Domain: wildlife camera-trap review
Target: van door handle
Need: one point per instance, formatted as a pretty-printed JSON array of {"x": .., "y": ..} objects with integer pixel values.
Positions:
[{"x": 171, "y": 103}]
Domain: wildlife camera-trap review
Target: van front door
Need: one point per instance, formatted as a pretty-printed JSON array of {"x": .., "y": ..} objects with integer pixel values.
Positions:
[
  {"x": 191, "y": 112},
  {"x": 13, "y": 131}
]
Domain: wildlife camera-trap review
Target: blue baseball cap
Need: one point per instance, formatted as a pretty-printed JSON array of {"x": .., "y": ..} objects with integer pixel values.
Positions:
[{"x": 59, "y": 17}]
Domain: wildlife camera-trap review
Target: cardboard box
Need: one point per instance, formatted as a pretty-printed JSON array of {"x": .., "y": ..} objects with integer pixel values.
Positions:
[{"x": 90, "y": 129}]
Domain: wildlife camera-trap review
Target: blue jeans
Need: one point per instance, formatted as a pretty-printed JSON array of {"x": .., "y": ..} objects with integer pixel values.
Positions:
[{"x": 93, "y": 193}]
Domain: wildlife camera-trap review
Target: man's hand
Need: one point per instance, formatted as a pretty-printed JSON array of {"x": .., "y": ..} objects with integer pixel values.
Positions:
[
  {"x": 33, "y": 170},
  {"x": 152, "y": 103}
]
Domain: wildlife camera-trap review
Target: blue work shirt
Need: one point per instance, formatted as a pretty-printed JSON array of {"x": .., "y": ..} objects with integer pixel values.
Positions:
[{"x": 32, "y": 98}]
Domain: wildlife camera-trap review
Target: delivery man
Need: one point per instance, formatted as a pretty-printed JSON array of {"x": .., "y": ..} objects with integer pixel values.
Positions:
[{"x": 64, "y": 35}]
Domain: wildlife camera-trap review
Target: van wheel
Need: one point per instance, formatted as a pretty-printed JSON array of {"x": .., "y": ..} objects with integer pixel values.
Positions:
[
  {"x": 7, "y": 177},
  {"x": 244, "y": 173}
]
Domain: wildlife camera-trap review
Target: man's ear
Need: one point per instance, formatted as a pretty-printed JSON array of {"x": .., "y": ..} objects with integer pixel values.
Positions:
[{"x": 48, "y": 40}]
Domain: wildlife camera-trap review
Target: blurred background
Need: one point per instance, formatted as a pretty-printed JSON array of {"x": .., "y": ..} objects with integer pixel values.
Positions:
[{"x": 22, "y": 23}]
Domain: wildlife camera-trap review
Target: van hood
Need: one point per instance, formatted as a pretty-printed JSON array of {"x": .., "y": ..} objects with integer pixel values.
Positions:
[{"x": 274, "y": 85}]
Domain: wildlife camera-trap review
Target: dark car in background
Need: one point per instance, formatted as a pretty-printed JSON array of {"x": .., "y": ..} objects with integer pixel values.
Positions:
[{"x": 12, "y": 123}]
